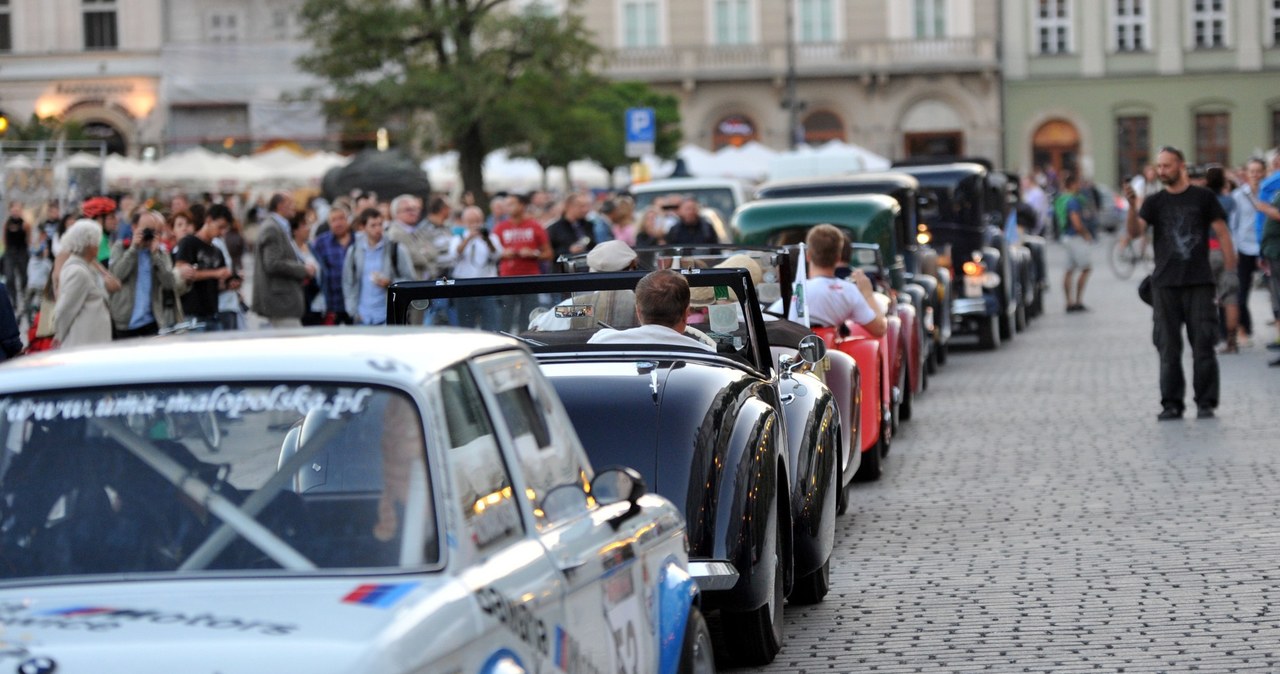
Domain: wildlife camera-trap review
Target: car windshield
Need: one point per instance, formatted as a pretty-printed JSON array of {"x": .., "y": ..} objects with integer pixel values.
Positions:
[
  {"x": 212, "y": 478},
  {"x": 719, "y": 198}
]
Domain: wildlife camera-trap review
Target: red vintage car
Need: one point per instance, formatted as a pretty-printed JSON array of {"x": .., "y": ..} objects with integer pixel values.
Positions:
[{"x": 892, "y": 366}]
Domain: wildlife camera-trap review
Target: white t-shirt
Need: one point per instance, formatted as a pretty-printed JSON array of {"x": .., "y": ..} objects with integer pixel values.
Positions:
[
  {"x": 833, "y": 301},
  {"x": 647, "y": 334},
  {"x": 477, "y": 260}
]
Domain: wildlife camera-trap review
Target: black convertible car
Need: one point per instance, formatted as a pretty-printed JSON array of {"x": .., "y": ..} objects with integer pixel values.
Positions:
[{"x": 708, "y": 429}]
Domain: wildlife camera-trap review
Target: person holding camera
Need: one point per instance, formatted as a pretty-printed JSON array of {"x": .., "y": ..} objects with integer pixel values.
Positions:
[
  {"x": 203, "y": 266},
  {"x": 478, "y": 252},
  {"x": 144, "y": 270}
]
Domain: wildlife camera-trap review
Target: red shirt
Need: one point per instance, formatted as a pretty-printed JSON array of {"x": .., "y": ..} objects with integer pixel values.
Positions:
[{"x": 517, "y": 236}]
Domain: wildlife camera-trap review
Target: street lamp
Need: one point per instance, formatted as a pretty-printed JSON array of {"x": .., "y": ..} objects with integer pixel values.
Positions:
[{"x": 792, "y": 105}]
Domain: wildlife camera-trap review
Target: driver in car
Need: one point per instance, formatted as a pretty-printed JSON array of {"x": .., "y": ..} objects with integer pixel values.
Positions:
[
  {"x": 833, "y": 301},
  {"x": 662, "y": 307}
]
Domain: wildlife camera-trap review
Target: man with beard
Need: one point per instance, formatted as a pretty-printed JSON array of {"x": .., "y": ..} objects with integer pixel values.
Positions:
[{"x": 1182, "y": 285}]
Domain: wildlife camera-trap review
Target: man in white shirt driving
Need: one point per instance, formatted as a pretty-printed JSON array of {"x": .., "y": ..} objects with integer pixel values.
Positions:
[
  {"x": 833, "y": 301},
  {"x": 662, "y": 307}
]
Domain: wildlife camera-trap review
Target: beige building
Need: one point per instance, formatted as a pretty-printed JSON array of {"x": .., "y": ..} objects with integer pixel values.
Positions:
[
  {"x": 81, "y": 60},
  {"x": 901, "y": 78}
]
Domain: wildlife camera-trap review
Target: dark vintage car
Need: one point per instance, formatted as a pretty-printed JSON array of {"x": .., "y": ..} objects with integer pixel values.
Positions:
[
  {"x": 969, "y": 217},
  {"x": 920, "y": 259},
  {"x": 892, "y": 366},
  {"x": 709, "y": 429}
]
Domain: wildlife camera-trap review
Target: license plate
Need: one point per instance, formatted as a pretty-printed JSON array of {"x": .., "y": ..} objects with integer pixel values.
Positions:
[{"x": 973, "y": 286}]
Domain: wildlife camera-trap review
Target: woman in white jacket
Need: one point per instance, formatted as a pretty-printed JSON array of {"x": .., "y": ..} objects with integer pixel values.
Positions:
[{"x": 373, "y": 263}]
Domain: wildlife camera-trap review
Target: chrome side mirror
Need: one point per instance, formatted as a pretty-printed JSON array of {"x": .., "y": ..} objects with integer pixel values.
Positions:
[
  {"x": 616, "y": 485},
  {"x": 812, "y": 349}
]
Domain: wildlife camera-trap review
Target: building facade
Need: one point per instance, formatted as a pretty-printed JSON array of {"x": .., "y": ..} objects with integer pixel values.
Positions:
[
  {"x": 1097, "y": 86},
  {"x": 95, "y": 62},
  {"x": 901, "y": 78}
]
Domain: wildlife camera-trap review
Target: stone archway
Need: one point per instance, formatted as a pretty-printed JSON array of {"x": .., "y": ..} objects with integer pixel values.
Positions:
[
  {"x": 1055, "y": 145},
  {"x": 822, "y": 126},
  {"x": 106, "y": 123},
  {"x": 932, "y": 128},
  {"x": 735, "y": 129}
]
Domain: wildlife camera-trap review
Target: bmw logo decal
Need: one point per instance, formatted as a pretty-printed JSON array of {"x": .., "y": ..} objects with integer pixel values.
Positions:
[{"x": 37, "y": 665}]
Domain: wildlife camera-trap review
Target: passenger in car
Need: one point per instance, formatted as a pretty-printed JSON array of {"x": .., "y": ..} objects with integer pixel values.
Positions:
[
  {"x": 662, "y": 307},
  {"x": 834, "y": 301}
]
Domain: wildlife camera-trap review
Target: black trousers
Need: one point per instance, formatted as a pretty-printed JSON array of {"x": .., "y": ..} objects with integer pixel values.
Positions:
[
  {"x": 1245, "y": 266},
  {"x": 1194, "y": 308}
]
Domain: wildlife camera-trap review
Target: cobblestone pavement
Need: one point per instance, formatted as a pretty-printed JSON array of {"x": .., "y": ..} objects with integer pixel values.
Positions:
[{"x": 1035, "y": 516}]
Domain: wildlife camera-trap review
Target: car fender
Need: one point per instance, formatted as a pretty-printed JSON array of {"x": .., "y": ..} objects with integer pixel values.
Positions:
[
  {"x": 866, "y": 353},
  {"x": 813, "y": 432},
  {"x": 675, "y": 593}
]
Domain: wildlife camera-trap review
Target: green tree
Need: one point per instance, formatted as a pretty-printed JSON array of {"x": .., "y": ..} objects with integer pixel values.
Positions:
[
  {"x": 44, "y": 128},
  {"x": 610, "y": 101},
  {"x": 473, "y": 65}
]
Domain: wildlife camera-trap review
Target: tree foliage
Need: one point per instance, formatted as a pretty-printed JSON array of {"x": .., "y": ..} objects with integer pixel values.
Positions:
[
  {"x": 45, "y": 128},
  {"x": 477, "y": 67},
  {"x": 611, "y": 101}
]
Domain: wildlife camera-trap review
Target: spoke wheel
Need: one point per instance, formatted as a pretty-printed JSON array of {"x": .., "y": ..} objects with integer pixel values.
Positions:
[
  {"x": 755, "y": 637},
  {"x": 696, "y": 656}
]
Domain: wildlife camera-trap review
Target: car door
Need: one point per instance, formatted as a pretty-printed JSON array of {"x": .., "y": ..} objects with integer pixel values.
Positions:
[
  {"x": 606, "y": 597},
  {"x": 516, "y": 587}
]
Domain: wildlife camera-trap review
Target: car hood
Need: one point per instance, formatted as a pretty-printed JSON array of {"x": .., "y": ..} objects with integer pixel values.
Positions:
[{"x": 227, "y": 625}]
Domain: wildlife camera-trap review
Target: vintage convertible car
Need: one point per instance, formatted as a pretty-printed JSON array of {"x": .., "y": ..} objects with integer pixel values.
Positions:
[
  {"x": 394, "y": 501},
  {"x": 892, "y": 366},
  {"x": 711, "y": 430},
  {"x": 923, "y": 274}
]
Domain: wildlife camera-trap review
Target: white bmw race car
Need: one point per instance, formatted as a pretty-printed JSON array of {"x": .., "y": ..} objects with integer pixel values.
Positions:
[{"x": 354, "y": 501}]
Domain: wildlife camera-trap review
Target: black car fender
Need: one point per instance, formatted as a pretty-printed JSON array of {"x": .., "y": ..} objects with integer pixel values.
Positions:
[{"x": 813, "y": 447}]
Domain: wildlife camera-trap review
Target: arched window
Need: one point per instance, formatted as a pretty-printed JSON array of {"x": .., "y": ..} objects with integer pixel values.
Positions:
[
  {"x": 735, "y": 130},
  {"x": 822, "y": 126}
]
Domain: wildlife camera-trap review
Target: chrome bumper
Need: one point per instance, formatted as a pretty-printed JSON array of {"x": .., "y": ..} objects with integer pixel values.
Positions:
[
  {"x": 712, "y": 576},
  {"x": 968, "y": 306}
]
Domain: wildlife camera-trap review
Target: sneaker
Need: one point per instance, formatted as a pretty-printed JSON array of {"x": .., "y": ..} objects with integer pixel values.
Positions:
[
  {"x": 1169, "y": 414},
  {"x": 1204, "y": 413},
  {"x": 1274, "y": 363},
  {"x": 1273, "y": 346}
]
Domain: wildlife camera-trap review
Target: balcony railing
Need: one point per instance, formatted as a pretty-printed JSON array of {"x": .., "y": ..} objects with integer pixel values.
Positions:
[{"x": 812, "y": 59}]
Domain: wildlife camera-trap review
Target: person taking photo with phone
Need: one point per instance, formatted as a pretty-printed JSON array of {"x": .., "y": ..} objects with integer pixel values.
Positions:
[{"x": 204, "y": 268}]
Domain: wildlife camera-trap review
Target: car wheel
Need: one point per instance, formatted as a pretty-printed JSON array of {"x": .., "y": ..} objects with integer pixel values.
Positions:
[
  {"x": 989, "y": 333},
  {"x": 1020, "y": 317},
  {"x": 755, "y": 637},
  {"x": 842, "y": 489},
  {"x": 870, "y": 468},
  {"x": 904, "y": 409},
  {"x": 812, "y": 588},
  {"x": 1006, "y": 326},
  {"x": 696, "y": 656},
  {"x": 941, "y": 350}
]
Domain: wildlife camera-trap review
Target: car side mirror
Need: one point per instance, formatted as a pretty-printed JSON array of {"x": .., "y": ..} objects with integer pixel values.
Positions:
[
  {"x": 812, "y": 349},
  {"x": 564, "y": 501},
  {"x": 616, "y": 485}
]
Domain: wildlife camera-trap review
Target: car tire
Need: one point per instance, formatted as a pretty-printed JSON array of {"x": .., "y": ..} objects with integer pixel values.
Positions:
[
  {"x": 813, "y": 587},
  {"x": 1020, "y": 317},
  {"x": 904, "y": 409},
  {"x": 872, "y": 460},
  {"x": 755, "y": 637},
  {"x": 989, "y": 334},
  {"x": 1005, "y": 323},
  {"x": 696, "y": 656},
  {"x": 941, "y": 351}
]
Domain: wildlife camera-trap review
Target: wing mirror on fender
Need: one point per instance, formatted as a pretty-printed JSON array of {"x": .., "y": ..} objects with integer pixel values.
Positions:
[
  {"x": 812, "y": 349},
  {"x": 615, "y": 485}
]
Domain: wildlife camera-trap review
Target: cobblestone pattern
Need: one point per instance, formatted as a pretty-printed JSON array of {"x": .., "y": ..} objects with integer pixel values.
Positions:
[{"x": 1035, "y": 516}]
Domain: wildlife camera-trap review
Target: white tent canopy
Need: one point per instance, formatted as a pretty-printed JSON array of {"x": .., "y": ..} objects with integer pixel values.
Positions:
[{"x": 199, "y": 169}]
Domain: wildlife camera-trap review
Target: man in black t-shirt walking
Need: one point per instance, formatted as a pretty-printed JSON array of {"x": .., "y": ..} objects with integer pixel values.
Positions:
[
  {"x": 203, "y": 266},
  {"x": 1180, "y": 218}
]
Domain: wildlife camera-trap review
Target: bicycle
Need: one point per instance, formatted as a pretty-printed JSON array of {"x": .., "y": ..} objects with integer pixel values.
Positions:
[{"x": 1128, "y": 254}]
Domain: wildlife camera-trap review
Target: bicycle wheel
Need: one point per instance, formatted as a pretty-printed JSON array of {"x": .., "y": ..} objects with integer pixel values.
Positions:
[
  {"x": 210, "y": 430},
  {"x": 1123, "y": 258}
]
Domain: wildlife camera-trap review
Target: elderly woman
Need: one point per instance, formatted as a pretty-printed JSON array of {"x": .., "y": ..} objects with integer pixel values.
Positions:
[{"x": 80, "y": 314}]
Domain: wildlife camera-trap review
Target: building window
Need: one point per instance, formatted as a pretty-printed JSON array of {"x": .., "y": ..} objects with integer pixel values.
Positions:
[
  {"x": 640, "y": 23},
  {"x": 1133, "y": 145},
  {"x": 931, "y": 18},
  {"x": 1273, "y": 22},
  {"x": 223, "y": 27},
  {"x": 1209, "y": 23},
  {"x": 1053, "y": 26},
  {"x": 1275, "y": 128},
  {"x": 1130, "y": 20},
  {"x": 731, "y": 20},
  {"x": 100, "y": 24},
  {"x": 6, "y": 32},
  {"x": 1213, "y": 144},
  {"x": 816, "y": 21},
  {"x": 821, "y": 127}
]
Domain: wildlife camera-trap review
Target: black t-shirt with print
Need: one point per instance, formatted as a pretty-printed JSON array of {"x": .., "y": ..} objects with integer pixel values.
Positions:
[
  {"x": 1180, "y": 225},
  {"x": 202, "y": 299}
]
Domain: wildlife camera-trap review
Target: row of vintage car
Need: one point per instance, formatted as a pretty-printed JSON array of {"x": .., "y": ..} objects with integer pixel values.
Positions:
[{"x": 410, "y": 500}]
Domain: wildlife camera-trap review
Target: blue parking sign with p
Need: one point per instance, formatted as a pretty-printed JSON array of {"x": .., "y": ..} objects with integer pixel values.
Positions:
[{"x": 641, "y": 131}]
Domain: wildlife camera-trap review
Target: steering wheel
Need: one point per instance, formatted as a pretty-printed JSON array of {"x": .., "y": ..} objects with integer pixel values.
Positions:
[{"x": 699, "y": 335}]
